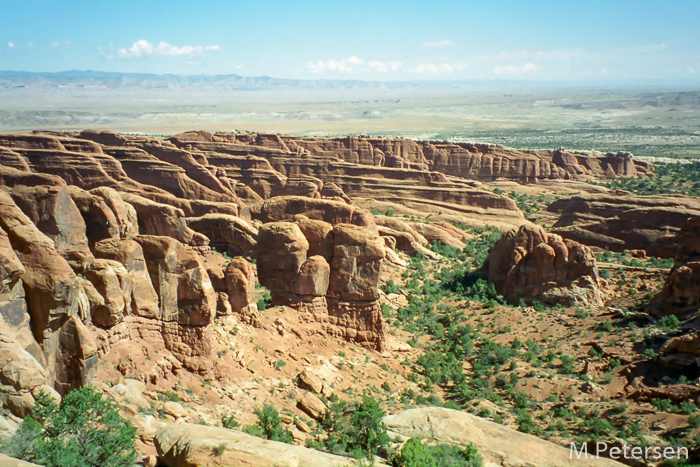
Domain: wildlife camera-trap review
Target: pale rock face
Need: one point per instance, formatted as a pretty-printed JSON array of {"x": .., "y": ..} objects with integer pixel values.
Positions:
[
  {"x": 497, "y": 444},
  {"x": 528, "y": 263},
  {"x": 187, "y": 445},
  {"x": 6, "y": 461}
]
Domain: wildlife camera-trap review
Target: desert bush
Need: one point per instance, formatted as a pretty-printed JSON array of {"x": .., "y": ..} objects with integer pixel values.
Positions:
[
  {"x": 416, "y": 454},
  {"x": 85, "y": 430},
  {"x": 354, "y": 429},
  {"x": 269, "y": 425}
]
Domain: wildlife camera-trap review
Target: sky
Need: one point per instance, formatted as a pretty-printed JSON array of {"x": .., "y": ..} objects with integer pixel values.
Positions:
[{"x": 584, "y": 40}]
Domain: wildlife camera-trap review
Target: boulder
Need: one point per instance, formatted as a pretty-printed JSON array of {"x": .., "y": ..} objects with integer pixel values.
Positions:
[
  {"x": 312, "y": 405},
  {"x": 124, "y": 213},
  {"x": 497, "y": 444},
  {"x": 310, "y": 380},
  {"x": 189, "y": 445},
  {"x": 528, "y": 263},
  {"x": 319, "y": 234},
  {"x": 279, "y": 271},
  {"x": 113, "y": 282}
]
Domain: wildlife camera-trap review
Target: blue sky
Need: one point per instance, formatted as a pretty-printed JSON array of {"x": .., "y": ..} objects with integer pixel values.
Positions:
[{"x": 380, "y": 40}]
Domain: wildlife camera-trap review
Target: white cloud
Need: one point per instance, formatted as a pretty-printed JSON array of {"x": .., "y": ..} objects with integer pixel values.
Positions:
[
  {"x": 438, "y": 44},
  {"x": 345, "y": 65},
  {"x": 11, "y": 45},
  {"x": 437, "y": 69},
  {"x": 515, "y": 70},
  {"x": 383, "y": 67},
  {"x": 144, "y": 48},
  {"x": 56, "y": 44}
]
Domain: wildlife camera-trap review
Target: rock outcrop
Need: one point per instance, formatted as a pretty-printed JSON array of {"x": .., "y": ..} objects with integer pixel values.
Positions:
[
  {"x": 55, "y": 301},
  {"x": 681, "y": 292},
  {"x": 528, "y": 263},
  {"x": 6, "y": 461},
  {"x": 622, "y": 221},
  {"x": 340, "y": 289},
  {"x": 189, "y": 445},
  {"x": 497, "y": 444}
]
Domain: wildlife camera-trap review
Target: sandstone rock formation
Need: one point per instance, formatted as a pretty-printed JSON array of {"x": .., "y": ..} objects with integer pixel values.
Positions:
[
  {"x": 55, "y": 300},
  {"x": 622, "y": 221},
  {"x": 528, "y": 263},
  {"x": 681, "y": 292},
  {"x": 342, "y": 292},
  {"x": 104, "y": 238},
  {"x": 240, "y": 288},
  {"x": 497, "y": 444},
  {"x": 189, "y": 445}
]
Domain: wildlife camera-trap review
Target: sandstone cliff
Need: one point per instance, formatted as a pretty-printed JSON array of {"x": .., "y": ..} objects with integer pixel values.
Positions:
[{"x": 622, "y": 221}]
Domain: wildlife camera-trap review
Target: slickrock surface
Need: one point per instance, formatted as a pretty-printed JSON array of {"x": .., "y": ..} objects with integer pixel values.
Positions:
[
  {"x": 190, "y": 445},
  {"x": 498, "y": 445},
  {"x": 6, "y": 461}
]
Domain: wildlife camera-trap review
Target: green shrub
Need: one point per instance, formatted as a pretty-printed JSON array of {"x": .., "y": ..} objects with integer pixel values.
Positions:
[
  {"x": 391, "y": 287},
  {"x": 85, "y": 430},
  {"x": 264, "y": 301},
  {"x": 367, "y": 433},
  {"x": 357, "y": 430},
  {"x": 21, "y": 445},
  {"x": 415, "y": 454},
  {"x": 229, "y": 422},
  {"x": 269, "y": 425}
]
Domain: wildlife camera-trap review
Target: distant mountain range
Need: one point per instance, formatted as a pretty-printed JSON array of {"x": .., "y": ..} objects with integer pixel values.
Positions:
[{"x": 98, "y": 81}]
